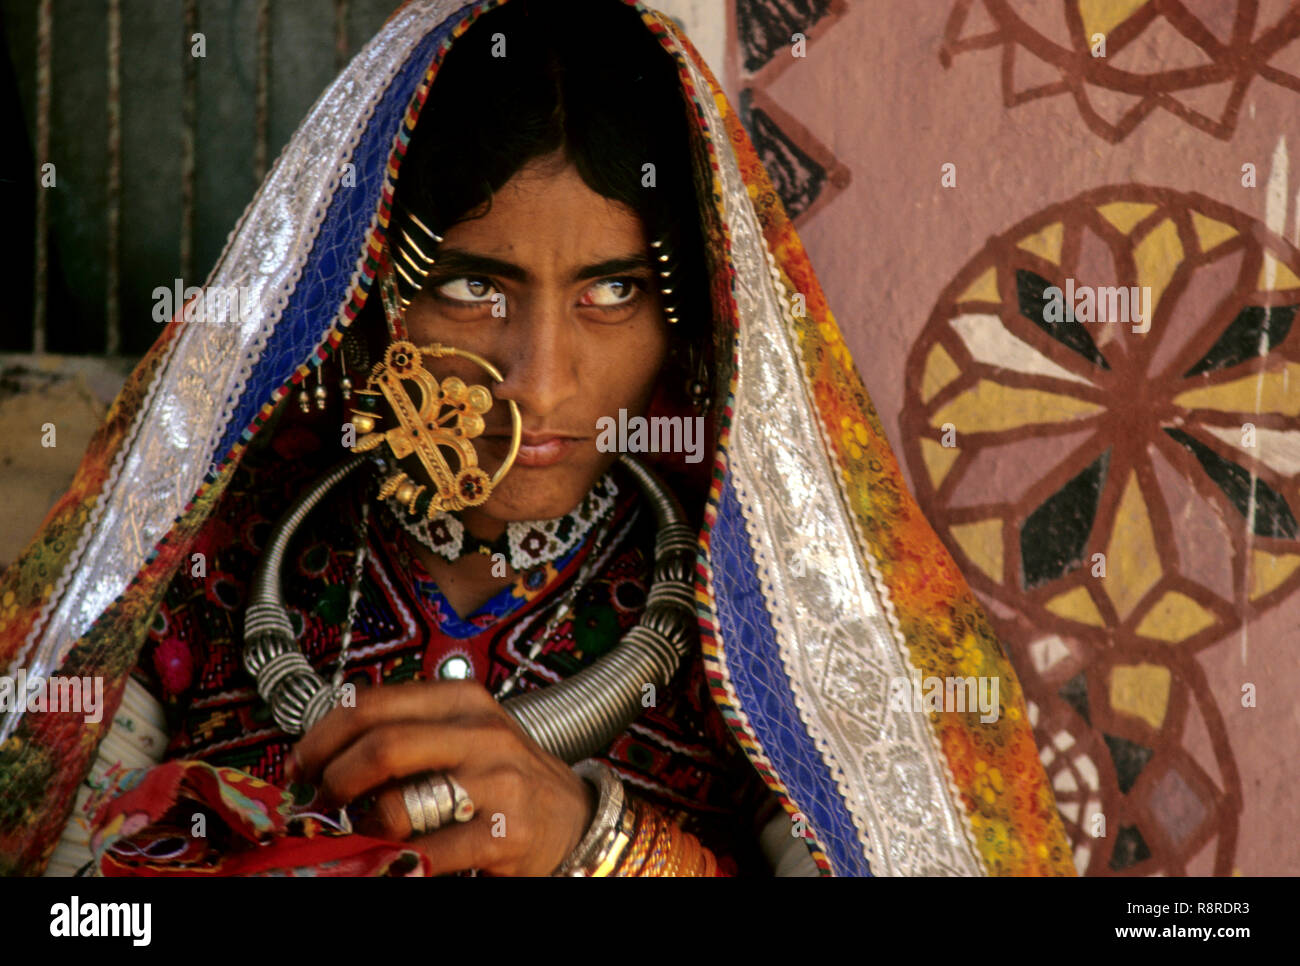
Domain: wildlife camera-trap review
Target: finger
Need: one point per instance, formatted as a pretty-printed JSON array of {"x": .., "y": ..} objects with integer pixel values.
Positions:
[
  {"x": 391, "y": 752},
  {"x": 434, "y": 700},
  {"x": 512, "y": 833},
  {"x": 471, "y": 845},
  {"x": 389, "y": 818}
]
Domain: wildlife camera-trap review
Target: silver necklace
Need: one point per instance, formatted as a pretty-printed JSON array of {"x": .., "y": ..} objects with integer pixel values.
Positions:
[
  {"x": 354, "y": 594},
  {"x": 572, "y": 719}
]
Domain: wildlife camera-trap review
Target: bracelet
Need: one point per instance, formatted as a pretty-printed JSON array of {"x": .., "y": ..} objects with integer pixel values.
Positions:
[
  {"x": 661, "y": 848},
  {"x": 611, "y": 828}
]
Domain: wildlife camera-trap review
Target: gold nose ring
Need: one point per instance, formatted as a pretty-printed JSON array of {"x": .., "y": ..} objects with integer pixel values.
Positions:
[{"x": 444, "y": 420}]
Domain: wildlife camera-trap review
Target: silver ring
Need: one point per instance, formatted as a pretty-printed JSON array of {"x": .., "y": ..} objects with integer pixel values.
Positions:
[
  {"x": 444, "y": 796},
  {"x": 412, "y": 799},
  {"x": 428, "y": 801},
  {"x": 433, "y": 799},
  {"x": 462, "y": 804}
]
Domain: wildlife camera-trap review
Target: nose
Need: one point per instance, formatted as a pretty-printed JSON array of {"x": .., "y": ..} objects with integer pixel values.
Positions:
[{"x": 539, "y": 358}]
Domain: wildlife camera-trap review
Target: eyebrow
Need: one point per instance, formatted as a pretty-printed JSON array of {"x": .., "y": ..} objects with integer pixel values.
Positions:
[{"x": 458, "y": 261}]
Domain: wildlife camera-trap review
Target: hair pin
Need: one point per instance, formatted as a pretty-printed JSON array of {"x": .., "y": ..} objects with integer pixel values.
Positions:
[{"x": 667, "y": 285}]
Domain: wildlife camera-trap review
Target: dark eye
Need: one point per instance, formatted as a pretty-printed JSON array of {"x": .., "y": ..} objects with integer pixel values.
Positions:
[
  {"x": 610, "y": 292},
  {"x": 466, "y": 289}
]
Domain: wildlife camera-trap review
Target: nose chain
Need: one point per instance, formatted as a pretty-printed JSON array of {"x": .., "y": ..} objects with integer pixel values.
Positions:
[{"x": 354, "y": 595}]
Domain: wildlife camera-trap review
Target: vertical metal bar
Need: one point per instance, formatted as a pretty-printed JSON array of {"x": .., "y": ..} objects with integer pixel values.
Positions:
[
  {"x": 44, "y": 34},
  {"x": 112, "y": 311},
  {"x": 340, "y": 34},
  {"x": 189, "y": 95},
  {"x": 263, "y": 88}
]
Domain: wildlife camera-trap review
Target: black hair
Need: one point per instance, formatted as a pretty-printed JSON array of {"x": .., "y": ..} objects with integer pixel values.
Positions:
[{"x": 582, "y": 77}]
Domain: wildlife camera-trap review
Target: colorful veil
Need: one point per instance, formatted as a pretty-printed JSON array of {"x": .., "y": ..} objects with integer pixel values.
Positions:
[{"x": 819, "y": 584}]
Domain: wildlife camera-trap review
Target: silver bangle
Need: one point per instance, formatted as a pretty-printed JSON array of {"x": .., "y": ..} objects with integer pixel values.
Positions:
[{"x": 607, "y": 835}]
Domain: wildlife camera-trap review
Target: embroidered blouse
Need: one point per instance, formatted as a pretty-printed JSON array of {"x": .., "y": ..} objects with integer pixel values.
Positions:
[{"x": 678, "y": 756}]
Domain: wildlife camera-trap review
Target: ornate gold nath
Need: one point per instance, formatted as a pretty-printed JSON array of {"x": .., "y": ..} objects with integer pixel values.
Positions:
[{"x": 441, "y": 416}]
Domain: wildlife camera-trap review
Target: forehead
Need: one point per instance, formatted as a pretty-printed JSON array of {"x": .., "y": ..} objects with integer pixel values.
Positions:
[{"x": 547, "y": 217}]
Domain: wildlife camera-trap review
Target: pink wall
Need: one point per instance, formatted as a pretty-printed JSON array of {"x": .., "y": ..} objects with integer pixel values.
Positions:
[{"x": 1194, "y": 605}]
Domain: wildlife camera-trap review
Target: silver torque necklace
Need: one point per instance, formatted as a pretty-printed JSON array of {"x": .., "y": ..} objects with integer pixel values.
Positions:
[{"x": 572, "y": 719}]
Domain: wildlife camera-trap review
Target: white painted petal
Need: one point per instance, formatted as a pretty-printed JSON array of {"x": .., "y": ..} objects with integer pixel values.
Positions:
[{"x": 989, "y": 342}]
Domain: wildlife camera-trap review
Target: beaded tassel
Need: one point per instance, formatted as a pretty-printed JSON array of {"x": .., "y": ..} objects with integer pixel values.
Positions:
[{"x": 320, "y": 393}]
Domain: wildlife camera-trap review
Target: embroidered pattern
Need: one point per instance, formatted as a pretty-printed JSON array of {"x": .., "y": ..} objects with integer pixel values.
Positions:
[{"x": 529, "y": 543}]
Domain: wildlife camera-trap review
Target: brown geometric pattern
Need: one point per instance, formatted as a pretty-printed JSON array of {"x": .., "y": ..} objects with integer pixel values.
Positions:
[
  {"x": 805, "y": 173},
  {"x": 1192, "y": 58},
  {"x": 1122, "y": 499}
]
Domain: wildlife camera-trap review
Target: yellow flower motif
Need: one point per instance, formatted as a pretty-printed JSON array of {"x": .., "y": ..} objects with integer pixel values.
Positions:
[
  {"x": 839, "y": 351},
  {"x": 988, "y": 783},
  {"x": 854, "y": 436},
  {"x": 968, "y": 657}
]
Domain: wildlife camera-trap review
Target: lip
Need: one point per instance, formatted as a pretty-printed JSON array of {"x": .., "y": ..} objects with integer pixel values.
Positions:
[{"x": 536, "y": 450}]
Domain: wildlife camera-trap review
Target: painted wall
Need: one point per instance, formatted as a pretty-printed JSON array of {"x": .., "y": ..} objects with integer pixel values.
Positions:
[{"x": 1123, "y": 496}]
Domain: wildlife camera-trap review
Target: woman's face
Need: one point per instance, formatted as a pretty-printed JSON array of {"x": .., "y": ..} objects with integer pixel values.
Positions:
[{"x": 554, "y": 286}]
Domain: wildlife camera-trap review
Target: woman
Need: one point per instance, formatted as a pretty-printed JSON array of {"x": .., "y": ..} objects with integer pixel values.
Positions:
[{"x": 559, "y": 193}]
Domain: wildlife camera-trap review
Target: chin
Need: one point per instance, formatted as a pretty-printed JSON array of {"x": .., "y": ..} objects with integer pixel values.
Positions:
[{"x": 529, "y": 493}]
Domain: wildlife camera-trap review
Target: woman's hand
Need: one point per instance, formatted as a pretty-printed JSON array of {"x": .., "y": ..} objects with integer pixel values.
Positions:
[{"x": 531, "y": 809}]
